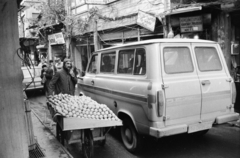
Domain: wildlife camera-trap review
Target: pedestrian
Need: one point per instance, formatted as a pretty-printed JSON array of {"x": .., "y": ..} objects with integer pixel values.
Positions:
[
  {"x": 52, "y": 66},
  {"x": 59, "y": 64},
  {"x": 64, "y": 81},
  {"x": 46, "y": 75}
]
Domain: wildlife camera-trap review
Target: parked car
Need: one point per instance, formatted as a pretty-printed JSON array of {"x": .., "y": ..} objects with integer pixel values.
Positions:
[
  {"x": 162, "y": 87},
  {"x": 32, "y": 79}
]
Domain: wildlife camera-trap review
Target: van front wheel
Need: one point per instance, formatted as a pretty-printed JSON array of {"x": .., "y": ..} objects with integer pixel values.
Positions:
[{"x": 131, "y": 139}]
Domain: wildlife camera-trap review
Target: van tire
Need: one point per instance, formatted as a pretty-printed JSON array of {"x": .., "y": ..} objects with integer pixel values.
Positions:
[{"x": 132, "y": 141}]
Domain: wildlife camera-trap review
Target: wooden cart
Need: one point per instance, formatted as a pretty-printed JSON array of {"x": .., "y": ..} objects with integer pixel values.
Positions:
[{"x": 85, "y": 131}]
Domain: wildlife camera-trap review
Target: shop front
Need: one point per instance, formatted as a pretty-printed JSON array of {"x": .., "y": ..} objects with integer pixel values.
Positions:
[
  {"x": 56, "y": 46},
  {"x": 211, "y": 22},
  {"x": 192, "y": 22}
]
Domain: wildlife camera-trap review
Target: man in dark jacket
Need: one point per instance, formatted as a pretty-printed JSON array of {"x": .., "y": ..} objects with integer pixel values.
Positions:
[
  {"x": 46, "y": 75},
  {"x": 64, "y": 81}
]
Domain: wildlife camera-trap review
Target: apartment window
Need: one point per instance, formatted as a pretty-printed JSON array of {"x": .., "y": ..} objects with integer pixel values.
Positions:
[
  {"x": 35, "y": 15},
  {"x": 77, "y": 6}
]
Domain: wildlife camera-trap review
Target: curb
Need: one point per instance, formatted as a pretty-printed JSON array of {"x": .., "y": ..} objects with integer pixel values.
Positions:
[{"x": 65, "y": 150}]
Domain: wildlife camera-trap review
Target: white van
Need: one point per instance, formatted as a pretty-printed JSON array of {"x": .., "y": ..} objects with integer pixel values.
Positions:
[
  {"x": 162, "y": 87},
  {"x": 32, "y": 79}
]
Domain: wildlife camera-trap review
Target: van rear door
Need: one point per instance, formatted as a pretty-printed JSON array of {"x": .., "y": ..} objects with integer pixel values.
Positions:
[
  {"x": 214, "y": 80},
  {"x": 181, "y": 84}
]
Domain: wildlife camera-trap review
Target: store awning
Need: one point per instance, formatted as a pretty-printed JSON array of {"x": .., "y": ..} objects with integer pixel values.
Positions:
[{"x": 183, "y": 10}]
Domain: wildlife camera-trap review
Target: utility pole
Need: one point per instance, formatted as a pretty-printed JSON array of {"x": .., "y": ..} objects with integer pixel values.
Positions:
[
  {"x": 13, "y": 134},
  {"x": 95, "y": 36}
]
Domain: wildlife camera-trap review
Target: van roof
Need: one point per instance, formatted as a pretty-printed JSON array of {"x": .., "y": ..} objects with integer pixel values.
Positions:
[{"x": 162, "y": 40}]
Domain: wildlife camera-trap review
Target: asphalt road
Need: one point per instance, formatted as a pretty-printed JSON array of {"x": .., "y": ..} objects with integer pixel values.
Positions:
[{"x": 222, "y": 141}]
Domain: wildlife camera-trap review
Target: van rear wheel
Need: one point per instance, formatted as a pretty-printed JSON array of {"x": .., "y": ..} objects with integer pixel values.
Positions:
[{"x": 131, "y": 139}]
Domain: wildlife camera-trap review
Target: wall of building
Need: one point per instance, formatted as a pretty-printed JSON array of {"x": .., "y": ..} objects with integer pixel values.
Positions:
[
  {"x": 29, "y": 12},
  {"x": 123, "y": 12}
]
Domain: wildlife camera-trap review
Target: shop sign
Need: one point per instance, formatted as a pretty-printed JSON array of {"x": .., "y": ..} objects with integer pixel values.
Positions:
[
  {"x": 56, "y": 38},
  {"x": 59, "y": 38},
  {"x": 146, "y": 20},
  {"x": 191, "y": 24},
  {"x": 51, "y": 39}
]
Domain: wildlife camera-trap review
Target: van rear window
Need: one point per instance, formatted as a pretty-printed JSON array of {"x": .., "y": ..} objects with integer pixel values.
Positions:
[
  {"x": 177, "y": 60},
  {"x": 208, "y": 59}
]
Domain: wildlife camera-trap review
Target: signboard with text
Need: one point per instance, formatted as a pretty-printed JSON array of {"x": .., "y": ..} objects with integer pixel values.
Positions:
[
  {"x": 146, "y": 20},
  {"x": 56, "y": 38},
  {"x": 51, "y": 39},
  {"x": 191, "y": 24}
]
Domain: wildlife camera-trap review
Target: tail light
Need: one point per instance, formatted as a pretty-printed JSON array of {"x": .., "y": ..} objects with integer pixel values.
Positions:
[
  {"x": 234, "y": 92},
  {"x": 160, "y": 103}
]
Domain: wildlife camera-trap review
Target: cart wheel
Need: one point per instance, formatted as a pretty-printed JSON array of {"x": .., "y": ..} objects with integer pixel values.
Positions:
[
  {"x": 88, "y": 144},
  {"x": 102, "y": 142},
  {"x": 58, "y": 131}
]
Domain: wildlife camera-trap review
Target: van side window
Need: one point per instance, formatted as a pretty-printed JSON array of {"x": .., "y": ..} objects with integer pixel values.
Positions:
[
  {"x": 107, "y": 62},
  {"x": 177, "y": 60},
  {"x": 93, "y": 65},
  {"x": 208, "y": 59},
  {"x": 140, "y": 62},
  {"x": 125, "y": 62}
]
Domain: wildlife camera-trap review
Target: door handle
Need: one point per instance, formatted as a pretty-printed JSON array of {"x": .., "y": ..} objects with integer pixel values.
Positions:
[
  {"x": 229, "y": 80},
  {"x": 92, "y": 82},
  {"x": 205, "y": 82}
]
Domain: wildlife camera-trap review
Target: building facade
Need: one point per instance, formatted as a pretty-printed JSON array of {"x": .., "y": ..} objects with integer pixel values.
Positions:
[{"x": 115, "y": 22}]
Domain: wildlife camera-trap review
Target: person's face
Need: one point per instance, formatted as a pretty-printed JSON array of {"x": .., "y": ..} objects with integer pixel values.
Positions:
[
  {"x": 45, "y": 68},
  {"x": 68, "y": 65}
]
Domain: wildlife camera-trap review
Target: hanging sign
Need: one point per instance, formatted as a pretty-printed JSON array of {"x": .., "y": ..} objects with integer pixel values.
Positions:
[
  {"x": 59, "y": 38},
  {"x": 56, "y": 38},
  {"x": 146, "y": 20},
  {"x": 191, "y": 24},
  {"x": 51, "y": 39}
]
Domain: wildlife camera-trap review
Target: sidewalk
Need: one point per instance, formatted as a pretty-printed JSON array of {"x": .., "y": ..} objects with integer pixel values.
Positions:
[{"x": 48, "y": 143}]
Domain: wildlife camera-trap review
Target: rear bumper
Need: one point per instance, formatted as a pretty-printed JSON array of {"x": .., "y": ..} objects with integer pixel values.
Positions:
[
  {"x": 163, "y": 132},
  {"x": 226, "y": 118},
  {"x": 185, "y": 128}
]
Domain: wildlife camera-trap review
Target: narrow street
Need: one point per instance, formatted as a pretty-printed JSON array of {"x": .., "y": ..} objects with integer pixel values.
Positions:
[{"x": 220, "y": 142}]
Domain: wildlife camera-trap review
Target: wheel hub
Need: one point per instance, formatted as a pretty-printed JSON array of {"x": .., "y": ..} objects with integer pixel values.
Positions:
[{"x": 128, "y": 135}]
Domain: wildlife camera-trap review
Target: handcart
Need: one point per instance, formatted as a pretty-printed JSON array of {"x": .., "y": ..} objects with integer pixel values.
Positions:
[{"x": 84, "y": 131}]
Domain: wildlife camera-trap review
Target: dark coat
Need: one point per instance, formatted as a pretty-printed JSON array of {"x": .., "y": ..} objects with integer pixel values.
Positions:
[
  {"x": 62, "y": 82},
  {"x": 48, "y": 75}
]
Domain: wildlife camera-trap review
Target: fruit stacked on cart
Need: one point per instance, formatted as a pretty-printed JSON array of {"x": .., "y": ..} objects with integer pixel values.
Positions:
[{"x": 80, "y": 107}]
